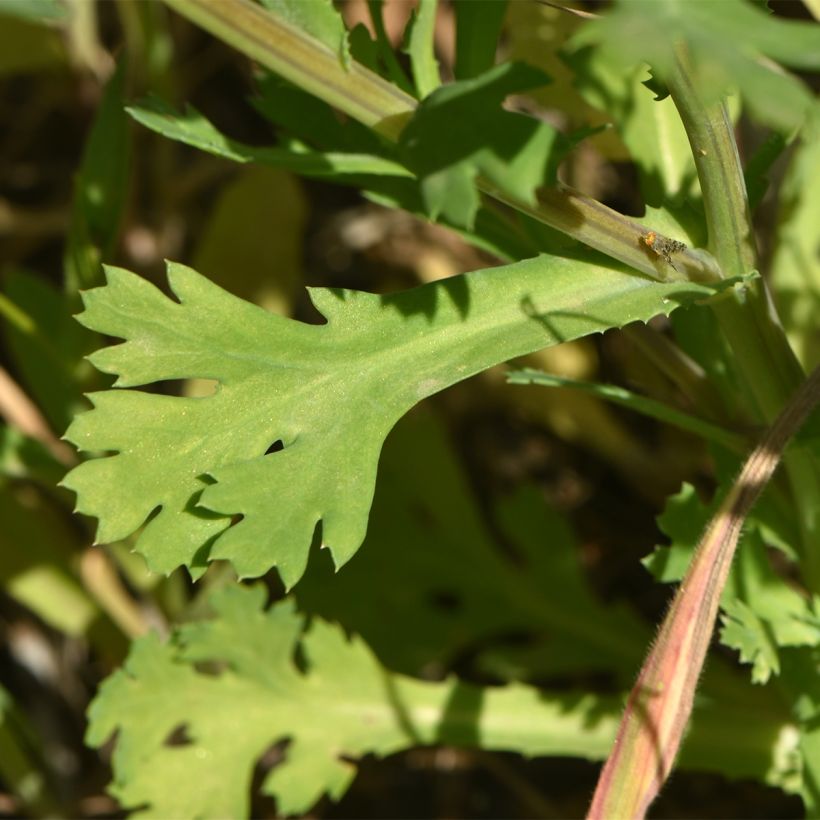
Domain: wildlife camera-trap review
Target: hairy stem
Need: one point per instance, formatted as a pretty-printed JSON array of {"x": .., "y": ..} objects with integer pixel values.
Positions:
[{"x": 660, "y": 703}]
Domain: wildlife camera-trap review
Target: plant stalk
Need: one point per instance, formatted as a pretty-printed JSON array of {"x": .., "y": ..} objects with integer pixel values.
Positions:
[
  {"x": 660, "y": 704},
  {"x": 767, "y": 365}
]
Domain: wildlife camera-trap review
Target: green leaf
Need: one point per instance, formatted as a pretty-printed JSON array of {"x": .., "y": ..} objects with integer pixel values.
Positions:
[
  {"x": 35, "y": 542},
  {"x": 46, "y": 344},
  {"x": 319, "y": 18},
  {"x": 421, "y": 48},
  {"x": 640, "y": 404},
  {"x": 329, "y": 394},
  {"x": 759, "y": 165},
  {"x": 800, "y": 675},
  {"x": 478, "y": 29},
  {"x": 341, "y": 704},
  {"x": 651, "y": 128},
  {"x": 744, "y": 631},
  {"x": 392, "y": 69},
  {"x": 36, "y": 11},
  {"x": 191, "y": 128},
  {"x": 418, "y": 593},
  {"x": 100, "y": 189},
  {"x": 264, "y": 267},
  {"x": 195, "y": 716},
  {"x": 363, "y": 48},
  {"x": 766, "y": 614},
  {"x": 729, "y": 43},
  {"x": 461, "y": 131},
  {"x": 27, "y": 47},
  {"x": 25, "y": 457},
  {"x": 313, "y": 121}
]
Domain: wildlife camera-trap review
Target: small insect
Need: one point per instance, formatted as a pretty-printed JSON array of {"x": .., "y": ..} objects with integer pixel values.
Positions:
[{"x": 663, "y": 246}]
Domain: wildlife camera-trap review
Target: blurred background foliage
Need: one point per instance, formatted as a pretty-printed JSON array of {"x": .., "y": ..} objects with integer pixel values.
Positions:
[{"x": 499, "y": 508}]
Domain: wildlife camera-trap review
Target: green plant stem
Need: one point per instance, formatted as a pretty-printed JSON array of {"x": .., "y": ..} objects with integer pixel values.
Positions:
[
  {"x": 764, "y": 357},
  {"x": 767, "y": 365}
]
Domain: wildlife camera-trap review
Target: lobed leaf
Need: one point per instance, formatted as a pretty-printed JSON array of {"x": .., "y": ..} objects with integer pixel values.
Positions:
[
  {"x": 329, "y": 394},
  {"x": 417, "y": 591},
  {"x": 341, "y": 704},
  {"x": 460, "y": 132},
  {"x": 194, "y": 717}
]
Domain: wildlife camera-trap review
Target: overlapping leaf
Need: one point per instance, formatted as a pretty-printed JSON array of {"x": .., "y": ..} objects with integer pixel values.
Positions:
[
  {"x": 204, "y": 467},
  {"x": 344, "y": 705},
  {"x": 195, "y": 716},
  {"x": 460, "y": 132},
  {"x": 418, "y": 590}
]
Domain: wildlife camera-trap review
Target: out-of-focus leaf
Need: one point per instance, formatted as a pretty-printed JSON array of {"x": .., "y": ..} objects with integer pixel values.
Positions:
[
  {"x": 699, "y": 335},
  {"x": 800, "y": 674},
  {"x": 650, "y": 128},
  {"x": 35, "y": 11},
  {"x": 460, "y": 131},
  {"x": 46, "y": 344},
  {"x": 795, "y": 267},
  {"x": 640, "y": 404},
  {"x": 241, "y": 250},
  {"x": 319, "y": 18},
  {"x": 22, "y": 760},
  {"x": 28, "y": 47},
  {"x": 313, "y": 121},
  {"x": 536, "y": 34},
  {"x": 758, "y": 166},
  {"x": 101, "y": 188},
  {"x": 36, "y": 545},
  {"x": 191, "y": 128},
  {"x": 25, "y": 457},
  {"x": 363, "y": 48},
  {"x": 421, "y": 48},
  {"x": 478, "y": 26},
  {"x": 730, "y": 44},
  {"x": 329, "y": 394},
  {"x": 390, "y": 66}
]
